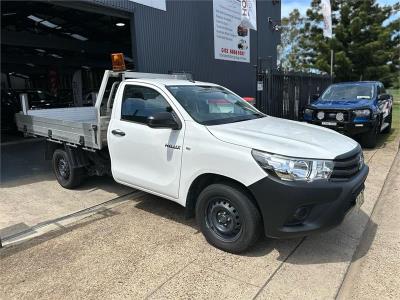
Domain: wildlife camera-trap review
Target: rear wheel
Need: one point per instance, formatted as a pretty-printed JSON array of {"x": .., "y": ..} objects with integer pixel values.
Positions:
[
  {"x": 67, "y": 176},
  {"x": 228, "y": 218}
]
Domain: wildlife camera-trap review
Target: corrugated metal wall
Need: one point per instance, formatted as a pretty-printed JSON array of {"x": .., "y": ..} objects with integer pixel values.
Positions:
[
  {"x": 124, "y": 5},
  {"x": 181, "y": 39}
]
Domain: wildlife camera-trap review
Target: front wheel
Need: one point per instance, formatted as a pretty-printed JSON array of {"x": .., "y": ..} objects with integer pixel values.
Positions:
[
  {"x": 66, "y": 175},
  {"x": 227, "y": 217},
  {"x": 370, "y": 138}
]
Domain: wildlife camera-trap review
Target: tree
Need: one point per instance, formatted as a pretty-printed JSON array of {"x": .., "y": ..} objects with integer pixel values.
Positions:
[
  {"x": 365, "y": 43},
  {"x": 289, "y": 49}
]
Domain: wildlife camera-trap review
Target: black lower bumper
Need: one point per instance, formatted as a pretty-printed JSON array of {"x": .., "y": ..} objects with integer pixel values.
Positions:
[
  {"x": 292, "y": 209},
  {"x": 347, "y": 128}
]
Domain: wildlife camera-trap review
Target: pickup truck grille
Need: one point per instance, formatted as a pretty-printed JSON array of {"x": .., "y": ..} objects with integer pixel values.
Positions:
[
  {"x": 330, "y": 115},
  {"x": 347, "y": 167}
]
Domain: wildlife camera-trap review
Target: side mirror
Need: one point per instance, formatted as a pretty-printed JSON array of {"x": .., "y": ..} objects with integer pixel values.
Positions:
[
  {"x": 384, "y": 97},
  {"x": 164, "y": 120},
  {"x": 315, "y": 97}
]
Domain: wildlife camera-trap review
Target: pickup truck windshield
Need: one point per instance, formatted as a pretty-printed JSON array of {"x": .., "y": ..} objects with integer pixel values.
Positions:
[
  {"x": 213, "y": 105},
  {"x": 349, "y": 92}
]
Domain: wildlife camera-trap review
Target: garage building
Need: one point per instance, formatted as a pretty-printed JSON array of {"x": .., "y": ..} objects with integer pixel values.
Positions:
[{"x": 63, "y": 47}]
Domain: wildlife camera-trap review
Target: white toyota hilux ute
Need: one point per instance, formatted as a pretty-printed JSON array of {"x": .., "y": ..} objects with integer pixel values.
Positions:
[{"x": 240, "y": 172}]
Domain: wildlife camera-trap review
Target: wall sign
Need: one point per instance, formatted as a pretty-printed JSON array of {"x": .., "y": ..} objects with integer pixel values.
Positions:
[{"x": 231, "y": 38}]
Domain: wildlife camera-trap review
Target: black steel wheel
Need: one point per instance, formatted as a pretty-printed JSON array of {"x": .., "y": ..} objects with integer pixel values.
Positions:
[
  {"x": 66, "y": 175},
  {"x": 228, "y": 217},
  {"x": 223, "y": 219},
  {"x": 63, "y": 169}
]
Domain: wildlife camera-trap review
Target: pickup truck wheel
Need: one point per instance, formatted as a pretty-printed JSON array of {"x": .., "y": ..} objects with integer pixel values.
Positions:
[
  {"x": 370, "y": 138},
  {"x": 228, "y": 218},
  {"x": 67, "y": 176}
]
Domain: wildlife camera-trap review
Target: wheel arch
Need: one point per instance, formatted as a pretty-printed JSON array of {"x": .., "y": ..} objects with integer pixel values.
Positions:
[
  {"x": 76, "y": 156},
  {"x": 206, "y": 179}
]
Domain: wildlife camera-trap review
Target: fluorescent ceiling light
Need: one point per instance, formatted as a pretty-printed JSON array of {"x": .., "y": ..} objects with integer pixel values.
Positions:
[
  {"x": 34, "y": 18},
  {"x": 9, "y": 14},
  {"x": 79, "y": 37},
  {"x": 86, "y": 67},
  {"x": 120, "y": 24},
  {"x": 55, "y": 55},
  {"x": 40, "y": 50},
  {"x": 43, "y": 22},
  {"x": 50, "y": 25},
  {"x": 30, "y": 64}
]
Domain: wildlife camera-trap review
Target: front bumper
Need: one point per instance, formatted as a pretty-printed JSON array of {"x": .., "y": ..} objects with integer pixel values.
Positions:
[
  {"x": 326, "y": 202},
  {"x": 347, "y": 128}
]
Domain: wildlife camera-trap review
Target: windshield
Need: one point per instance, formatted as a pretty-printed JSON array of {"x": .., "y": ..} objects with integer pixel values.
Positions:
[
  {"x": 355, "y": 91},
  {"x": 213, "y": 105}
]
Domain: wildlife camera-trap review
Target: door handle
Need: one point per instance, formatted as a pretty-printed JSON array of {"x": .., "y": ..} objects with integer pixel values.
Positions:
[{"x": 118, "y": 132}]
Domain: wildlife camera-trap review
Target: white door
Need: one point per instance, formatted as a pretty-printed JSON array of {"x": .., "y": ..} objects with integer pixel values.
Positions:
[{"x": 141, "y": 156}]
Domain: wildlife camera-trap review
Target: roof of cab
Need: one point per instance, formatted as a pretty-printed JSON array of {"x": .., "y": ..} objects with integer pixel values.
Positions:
[{"x": 169, "y": 82}]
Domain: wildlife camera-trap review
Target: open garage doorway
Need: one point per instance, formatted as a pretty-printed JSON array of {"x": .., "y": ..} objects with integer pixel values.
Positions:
[{"x": 57, "y": 51}]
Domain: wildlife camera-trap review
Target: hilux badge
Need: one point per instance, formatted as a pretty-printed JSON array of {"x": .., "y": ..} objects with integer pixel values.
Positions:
[{"x": 173, "y": 146}]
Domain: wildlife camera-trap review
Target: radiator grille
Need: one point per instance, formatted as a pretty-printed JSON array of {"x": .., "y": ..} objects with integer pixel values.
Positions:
[{"x": 347, "y": 167}]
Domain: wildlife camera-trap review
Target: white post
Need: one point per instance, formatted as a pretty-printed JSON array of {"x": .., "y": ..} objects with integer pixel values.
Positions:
[
  {"x": 331, "y": 63},
  {"x": 24, "y": 103}
]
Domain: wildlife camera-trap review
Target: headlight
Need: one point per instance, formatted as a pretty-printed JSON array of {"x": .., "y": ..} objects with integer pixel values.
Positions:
[
  {"x": 362, "y": 112},
  {"x": 320, "y": 115},
  {"x": 291, "y": 169}
]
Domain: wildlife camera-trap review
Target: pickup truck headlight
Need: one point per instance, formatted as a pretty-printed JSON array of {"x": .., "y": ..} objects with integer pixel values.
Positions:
[
  {"x": 362, "y": 112},
  {"x": 293, "y": 169}
]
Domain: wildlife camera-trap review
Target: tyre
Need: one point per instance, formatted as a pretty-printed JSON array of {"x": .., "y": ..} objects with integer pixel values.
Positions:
[
  {"x": 370, "y": 138},
  {"x": 67, "y": 176},
  {"x": 227, "y": 217},
  {"x": 388, "y": 120}
]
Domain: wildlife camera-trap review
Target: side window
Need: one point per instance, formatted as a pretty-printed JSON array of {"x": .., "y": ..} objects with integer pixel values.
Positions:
[{"x": 139, "y": 102}]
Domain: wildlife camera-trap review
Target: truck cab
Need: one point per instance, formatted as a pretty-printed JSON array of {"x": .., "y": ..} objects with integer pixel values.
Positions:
[
  {"x": 240, "y": 172},
  {"x": 361, "y": 109}
]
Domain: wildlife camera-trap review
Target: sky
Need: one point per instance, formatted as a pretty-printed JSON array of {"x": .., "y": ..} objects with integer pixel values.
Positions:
[{"x": 302, "y": 5}]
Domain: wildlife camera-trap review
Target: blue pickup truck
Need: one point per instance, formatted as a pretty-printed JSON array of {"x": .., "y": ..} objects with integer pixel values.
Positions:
[{"x": 361, "y": 109}]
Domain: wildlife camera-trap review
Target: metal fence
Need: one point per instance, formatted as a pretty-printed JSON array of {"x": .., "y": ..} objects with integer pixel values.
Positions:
[{"x": 285, "y": 94}]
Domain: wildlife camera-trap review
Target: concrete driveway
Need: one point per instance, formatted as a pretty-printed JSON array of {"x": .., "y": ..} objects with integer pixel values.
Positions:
[{"x": 142, "y": 247}]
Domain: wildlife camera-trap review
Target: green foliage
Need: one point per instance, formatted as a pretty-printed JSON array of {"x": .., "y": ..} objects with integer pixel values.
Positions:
[
  {"x": 365, "y": 43},
  {"x": 288, "y": 50}
]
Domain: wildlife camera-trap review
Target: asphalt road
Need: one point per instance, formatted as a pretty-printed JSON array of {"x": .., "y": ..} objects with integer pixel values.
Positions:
[{"x": 145, "y": 248}]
